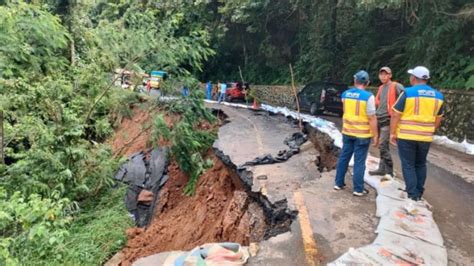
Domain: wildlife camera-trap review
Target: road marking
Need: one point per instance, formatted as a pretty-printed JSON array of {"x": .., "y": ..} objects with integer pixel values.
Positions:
[
  {"x": 263, "y": 189},
  {"x": 309, "y": 243}
]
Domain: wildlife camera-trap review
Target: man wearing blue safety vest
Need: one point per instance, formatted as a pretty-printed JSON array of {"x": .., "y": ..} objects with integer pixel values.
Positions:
[
  {"x": 359, "y": 125},
  {"x": 417, "y": 114}
]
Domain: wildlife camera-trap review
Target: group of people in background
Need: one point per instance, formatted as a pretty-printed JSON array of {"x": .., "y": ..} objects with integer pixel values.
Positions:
[
  {"x": 404, "y": 117},
  {"x": 217, "y": 92}
]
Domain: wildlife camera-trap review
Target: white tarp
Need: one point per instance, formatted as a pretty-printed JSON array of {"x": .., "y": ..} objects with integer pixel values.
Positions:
[
  {"x": 316, "y": 122},
  {"x": 464, "y": 146}
]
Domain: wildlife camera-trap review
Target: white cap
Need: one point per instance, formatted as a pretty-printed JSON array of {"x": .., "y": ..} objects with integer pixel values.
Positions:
[{"x": 420, "y": 72}]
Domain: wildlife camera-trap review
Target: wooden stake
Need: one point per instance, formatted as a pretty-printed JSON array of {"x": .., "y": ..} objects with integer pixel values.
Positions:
[
  {"x": 243, "y": 82},
  {"x": 241, "y": 76},
  {"x": 296, "y": 96}
]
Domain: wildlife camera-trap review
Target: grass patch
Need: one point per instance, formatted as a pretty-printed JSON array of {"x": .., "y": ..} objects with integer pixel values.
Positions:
[{"x": 98, "y": 232}]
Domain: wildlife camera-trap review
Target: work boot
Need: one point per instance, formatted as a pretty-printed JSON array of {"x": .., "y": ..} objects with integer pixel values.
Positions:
[{"x": 377, "y": 172}]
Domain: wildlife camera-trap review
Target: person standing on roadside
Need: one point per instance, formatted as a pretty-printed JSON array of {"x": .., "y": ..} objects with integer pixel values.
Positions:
[
  {"x": 386, "y": 97},
  {"x": 223, "y": 89},
  {"x": 209, "y": 90},
  {"x": 417, "y": 114},
  {"x": 359, "y": 125}
]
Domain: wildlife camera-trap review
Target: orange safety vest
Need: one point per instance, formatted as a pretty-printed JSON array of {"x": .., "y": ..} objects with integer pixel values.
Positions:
[
  {"x": 355, "y": 119},
  {"x": 418, "y": 119},
  {"x": 391, "y": 97}
]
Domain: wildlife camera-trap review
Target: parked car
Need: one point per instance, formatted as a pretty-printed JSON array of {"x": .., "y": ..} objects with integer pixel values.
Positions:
[
  {"x": 235, "y": 92},
  {"x": 317, "y": 97}
]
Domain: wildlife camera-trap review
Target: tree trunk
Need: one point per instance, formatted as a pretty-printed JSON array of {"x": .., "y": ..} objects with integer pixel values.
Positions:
[
  {"x": 333, "y": 44},
  {"x": 70, "y": 20}
]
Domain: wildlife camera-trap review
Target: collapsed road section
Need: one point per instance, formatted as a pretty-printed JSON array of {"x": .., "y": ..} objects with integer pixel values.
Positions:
[
  {"x": 407, "y": 233},
  {"x": 257, "y": 201},
  {"x": 222, "y": 209}
]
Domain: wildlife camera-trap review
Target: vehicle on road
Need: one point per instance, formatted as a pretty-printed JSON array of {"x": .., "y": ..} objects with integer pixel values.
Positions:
[
  {"x": 156, "y": 77},
  {"x": 235, "y": 92},
  {"x": 318, "y": 97}
]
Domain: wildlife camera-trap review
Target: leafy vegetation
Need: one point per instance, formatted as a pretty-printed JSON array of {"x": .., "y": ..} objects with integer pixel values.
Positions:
[
  {"x": 189, "y": 142},
  {"x": 96, "y": 232},
  {"x": 60, "y": 105},
  {"x": 330, "y": 40}
]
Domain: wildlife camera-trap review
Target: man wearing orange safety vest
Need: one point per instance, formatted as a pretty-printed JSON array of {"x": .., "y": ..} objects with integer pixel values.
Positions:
[
  {"x": 359, "y": 125},
  {"x": 417, "y": 114},
  {"x": 386, "y": 96}
]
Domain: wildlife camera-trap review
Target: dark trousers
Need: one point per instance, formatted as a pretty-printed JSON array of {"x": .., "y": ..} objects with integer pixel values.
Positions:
[
  {"x": 360, "y": 148},
  {"x": 386, "y": 163},
  {"x": 413, "y": 158}
]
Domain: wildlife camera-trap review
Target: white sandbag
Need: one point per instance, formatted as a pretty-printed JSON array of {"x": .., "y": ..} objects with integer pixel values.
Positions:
[
  {"x": 412, "y": 221},
  {"x": 373, "y": 181},
  {"x": 386, "y": 204},
  {"x": 353, "y": 257},
  {"x": 410, "y": 249}
]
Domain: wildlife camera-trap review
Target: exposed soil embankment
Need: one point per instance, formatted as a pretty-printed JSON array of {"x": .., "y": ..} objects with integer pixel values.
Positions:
[
  {"x": 133, "y": 134},
  {"x": 328, "y": 152},
  {"x": 221, "y": 210}
]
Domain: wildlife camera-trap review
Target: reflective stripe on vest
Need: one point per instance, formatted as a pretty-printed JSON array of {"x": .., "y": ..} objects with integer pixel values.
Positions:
[
  {"x": 436, "y": 109},
  {"x": 355, "y": 123},
  {"x": 356, "y": 131},
  {"x": 418, "y": 119},
  {"x": 355, "y": 119},
  {"x": 416, "y": 123}
]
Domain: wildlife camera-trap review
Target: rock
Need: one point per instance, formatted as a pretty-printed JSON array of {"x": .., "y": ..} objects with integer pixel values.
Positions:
[{"x": 145, "y": 196}]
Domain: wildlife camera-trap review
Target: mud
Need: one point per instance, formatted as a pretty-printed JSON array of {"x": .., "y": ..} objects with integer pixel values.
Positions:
[
  {"x": 133, "y": 134},
  {"x": 328, "y": 152},
  {"x": 221, "y": 210}
]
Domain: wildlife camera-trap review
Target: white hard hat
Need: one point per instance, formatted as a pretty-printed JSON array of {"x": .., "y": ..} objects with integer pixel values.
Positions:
[{"x": 420, "y": 72}]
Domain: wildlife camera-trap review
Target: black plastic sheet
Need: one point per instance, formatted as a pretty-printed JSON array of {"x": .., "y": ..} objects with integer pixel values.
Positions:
[
  {"x": 140, "y": 173},
  {"x": 293, "y": 142}
]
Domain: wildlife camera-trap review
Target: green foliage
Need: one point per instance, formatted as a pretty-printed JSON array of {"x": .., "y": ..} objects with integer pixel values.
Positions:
[
  {"x": 28, "y": 48},
  {"x": 330, "y": 40},
  {"x": 159, "y": 129},
  {"x": 32, "y": 227},
  {"x": 60, "y": 105},
  {"x": 189, "y": 143}
]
